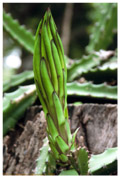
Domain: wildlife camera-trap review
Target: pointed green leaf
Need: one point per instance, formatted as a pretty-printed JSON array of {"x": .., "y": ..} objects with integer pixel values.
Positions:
[
  {"x": 62, "y": 145},
  {"x": 18, "y": 32},
  {"x": 82, "y": 65},
  {"x": 88, "y": 89},
  {"x": 15, "y": 104},
  {"x": 104, "y": 163},
  {"x": 69, "y": 172},
  {"x": 104, "y": 30},
  {"x": 24, "y": 78},
  {"x": 82, "y": 159},
  {"x": 51, "y": 127}
]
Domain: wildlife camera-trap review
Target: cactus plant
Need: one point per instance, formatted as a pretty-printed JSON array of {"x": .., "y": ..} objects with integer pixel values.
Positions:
[
  {"x": 104, "y": 29},
  {"x": 24, "y": 78},
  {"x": 101, "y": 74},
  {"x": 18, "y": 32},
  {"x": 104, "y": 163},
  {"x": 82, "y": 65},
  {"x": 82, "y": 159},
  {"x": 50, "y": 70},
  {"x": 15, "y": 104},
  {"x": 71, "y": 172},
  {"x": 88, "y": 89},
  {"x": 28, "y": 96},
  {"x": 74, "y": 88},
  {"x": 50, "y": 74}
]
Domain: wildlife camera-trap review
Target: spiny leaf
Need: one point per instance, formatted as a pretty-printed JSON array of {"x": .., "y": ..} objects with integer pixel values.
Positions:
[
  {"x": 104, "y": 29},
  {"x": 104, "y": 163},
  {"x": 92, "y": 90},
  {"x": 26, "y": 77},
  {"x": 106, "y": 72},
  {"x": 82, "y": 65},
  {"x": 18, "y": 32},
  {"x": 82, "y": 159},
  {"x": 88, "y": 89},
  {"x": 101, "y": 74},
  {"x": 15, "y": 104},
  {"x": 41, "y": 161}
]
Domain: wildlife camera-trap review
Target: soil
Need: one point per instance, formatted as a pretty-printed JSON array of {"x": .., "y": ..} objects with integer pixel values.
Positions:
[{"x": 97, "y": 125}]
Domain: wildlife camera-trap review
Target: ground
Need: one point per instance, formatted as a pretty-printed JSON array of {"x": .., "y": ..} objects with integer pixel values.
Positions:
[{"x": 97, "y": 125}]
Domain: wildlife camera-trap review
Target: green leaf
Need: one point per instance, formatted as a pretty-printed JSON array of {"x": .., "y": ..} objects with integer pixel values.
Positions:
[
  {"x": 82, "y": 65},
  {"x": 88, "y": 90},
  {"x": 51, "y": 127},
  {"x": 82, "y": 159},
  {"x": 91, "y": 90},
  {"x": 41, "y": 161},
  {"x": 62, "y": 144},
  {"x": 105, "y": 28},
  {"x": 68, "y": 172},
  {"x": 24, "y": 78},
  {"x": 15, "y": 104},
  {"x": 104, "y": 163},
  {"x": 18, "y": 32},
  {"x": 101, "y": 74}
]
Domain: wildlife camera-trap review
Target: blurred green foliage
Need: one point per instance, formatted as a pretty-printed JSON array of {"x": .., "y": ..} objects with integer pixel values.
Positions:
[{"x": 85, "y": 16}]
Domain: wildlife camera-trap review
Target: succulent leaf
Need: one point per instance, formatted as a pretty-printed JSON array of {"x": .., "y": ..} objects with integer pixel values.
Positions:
[
  {"x": 15, "y": 104},
  {"x": 24, "y": 78},
  {"x": 69, "y": 172},
  {"x": 104, "y": 29},
  {"x": 104, "y": 163},
  {"x": 82, "y": 65},
  {"x": 82, "y": 159},
  {"x": 18, "y": 32},
  {"x": 92, "y": 90},
  {"x": 101, "y": 74}
]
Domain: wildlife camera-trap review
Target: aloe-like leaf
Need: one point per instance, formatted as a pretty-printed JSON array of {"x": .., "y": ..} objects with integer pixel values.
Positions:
[
  {"x": 103, "y": 31},
  {"x": 82, "y": 65},
  {"x": 69, "y": 172},
  {"x": 15, "y": 104},
  {"x": 41, "y": 161},
  {"x": 92, "y": 90},
  {"x": 18, "y": 32},
  {"x": 82, "y": 160},
  {"x": 101, "y": 74},
  {"x": 24, "y": 78},
  {"x": 104, "y": 163}
]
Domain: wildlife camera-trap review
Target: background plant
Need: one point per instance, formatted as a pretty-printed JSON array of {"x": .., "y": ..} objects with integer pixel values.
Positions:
[{"x": 88, "y": 68}]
